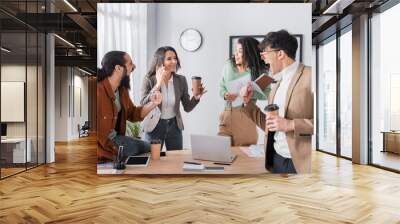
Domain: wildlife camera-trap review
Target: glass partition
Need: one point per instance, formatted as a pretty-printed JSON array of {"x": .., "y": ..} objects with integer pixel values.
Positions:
[
  {"x": 327, "y": 96},
  {"x": 346, "y": 93},
  {"x": 22, "y": 67},
  {"x": 385, "y": 89}
]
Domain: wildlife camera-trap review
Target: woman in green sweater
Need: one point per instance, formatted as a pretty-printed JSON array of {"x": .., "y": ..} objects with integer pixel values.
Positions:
[{"x": 246, "y": 65}]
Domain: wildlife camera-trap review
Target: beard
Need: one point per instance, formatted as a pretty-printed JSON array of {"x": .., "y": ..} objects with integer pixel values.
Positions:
[{"x": 126, "y": 80}]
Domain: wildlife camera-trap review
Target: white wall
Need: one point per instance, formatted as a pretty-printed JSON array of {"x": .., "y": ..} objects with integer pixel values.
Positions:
[
  {"x": 33, "y": 126},
  {"x": 123, "y": 26},
  {"x": 17, "y": 73},
  {"x": 217, "y": 22},
  {"x": 61, "y": 103},
  {"x": 68, "y": 81},
  {"x": 80, "y": 83}
]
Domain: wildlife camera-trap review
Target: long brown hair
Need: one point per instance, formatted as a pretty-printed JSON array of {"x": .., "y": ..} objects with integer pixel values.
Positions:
[
  {"x": 158, "y": 60},
  {"x": 251, "y": 56}
]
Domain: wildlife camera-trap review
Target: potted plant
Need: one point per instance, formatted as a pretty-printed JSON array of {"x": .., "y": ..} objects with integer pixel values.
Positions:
[{"x": 132, "y": 129}]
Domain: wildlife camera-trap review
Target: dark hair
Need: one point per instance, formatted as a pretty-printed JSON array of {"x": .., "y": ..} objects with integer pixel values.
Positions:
[
  {"x": 159, "y": 57},
  {"x": 281, "y": 40},
  {"x": 108, "y": 63},
  {"x": 251, "y": 56}
]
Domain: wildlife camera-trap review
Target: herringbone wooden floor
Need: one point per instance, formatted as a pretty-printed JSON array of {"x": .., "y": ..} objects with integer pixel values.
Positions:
[{"x": 70, "y": 191}]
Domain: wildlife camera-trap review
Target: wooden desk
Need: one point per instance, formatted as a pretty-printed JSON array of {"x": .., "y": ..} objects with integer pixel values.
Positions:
[
  {"x": 391, "y": 141},
  {"x": 173, "y": 163}
]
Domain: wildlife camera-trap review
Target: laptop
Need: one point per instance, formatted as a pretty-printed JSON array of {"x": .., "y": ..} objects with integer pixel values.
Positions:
[{"x": 212, "y": 148}]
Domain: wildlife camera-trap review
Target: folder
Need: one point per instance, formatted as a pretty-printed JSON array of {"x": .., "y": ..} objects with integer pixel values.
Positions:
[{"x": 264, "y": 81}]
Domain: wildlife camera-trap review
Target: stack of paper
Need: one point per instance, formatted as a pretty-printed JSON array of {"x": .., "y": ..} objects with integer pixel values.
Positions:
[
  {"x": 258, "y": 85},
  {"x": 257, "y": 88},
  {"x": 234, "y": 86},
  {"x": 254, "y": 150},
  {"x": 193, "y": 167}
]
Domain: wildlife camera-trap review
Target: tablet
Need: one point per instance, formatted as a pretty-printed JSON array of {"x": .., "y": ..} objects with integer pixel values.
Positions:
[{"x": 137, "y": 161}]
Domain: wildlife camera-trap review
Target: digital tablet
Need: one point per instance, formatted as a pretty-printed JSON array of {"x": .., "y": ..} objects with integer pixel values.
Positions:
[{"x": 137, "y": 161}]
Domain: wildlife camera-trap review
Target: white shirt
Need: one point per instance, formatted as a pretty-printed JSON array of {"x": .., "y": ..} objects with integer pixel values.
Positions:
[
  {"x": 168, "y": 102},
  {"x": 281, "y": 146}
]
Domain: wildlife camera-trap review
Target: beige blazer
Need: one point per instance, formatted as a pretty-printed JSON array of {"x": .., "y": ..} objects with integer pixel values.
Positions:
[{"x": 299, "y": 107}]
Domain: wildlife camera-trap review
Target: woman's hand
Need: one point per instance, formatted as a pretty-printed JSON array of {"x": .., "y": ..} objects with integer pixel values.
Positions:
[
  {"x": 161, "y": 76},
  {"x": 202, "y": 92},
  {"x": 155, "y": 100},
  {"x": 230, "y": 96}
]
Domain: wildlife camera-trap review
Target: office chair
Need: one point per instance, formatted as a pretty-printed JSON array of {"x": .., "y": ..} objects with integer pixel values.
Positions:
[{"x": 84, "y": 130}]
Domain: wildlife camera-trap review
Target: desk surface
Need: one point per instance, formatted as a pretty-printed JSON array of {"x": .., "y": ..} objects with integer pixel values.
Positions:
[
  {"x": 173, "y": 163},
  {"x": 390, "y": 132}
]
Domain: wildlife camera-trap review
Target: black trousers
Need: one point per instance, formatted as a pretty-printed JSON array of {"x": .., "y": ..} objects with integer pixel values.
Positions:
[
  {"x": 168, "y": 132},
  {"x": 282, "y": 164},
  {"x": 274, "y": 162},
  {"x": 132, "y": 146}
]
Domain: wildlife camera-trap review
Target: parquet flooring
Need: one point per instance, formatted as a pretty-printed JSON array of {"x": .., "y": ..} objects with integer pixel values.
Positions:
[{"x": 70, "y": 191}]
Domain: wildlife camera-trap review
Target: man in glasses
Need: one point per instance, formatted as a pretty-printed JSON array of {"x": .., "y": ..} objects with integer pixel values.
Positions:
[{"x": 288, "y": 135}]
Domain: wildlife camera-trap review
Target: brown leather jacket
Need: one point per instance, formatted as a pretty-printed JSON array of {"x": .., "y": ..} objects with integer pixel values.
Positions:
[{"x": 107, "y": 117}]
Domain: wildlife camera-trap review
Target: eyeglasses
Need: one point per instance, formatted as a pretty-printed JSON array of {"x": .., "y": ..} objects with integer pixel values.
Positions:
[{"x": 264, "y": 52}]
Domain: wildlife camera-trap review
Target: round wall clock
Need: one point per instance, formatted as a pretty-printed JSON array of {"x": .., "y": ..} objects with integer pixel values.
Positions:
[{"x": 191, "y": 39}]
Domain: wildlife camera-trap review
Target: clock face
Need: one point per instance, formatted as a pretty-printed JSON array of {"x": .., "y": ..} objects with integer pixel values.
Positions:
[{"x": 191, "y": 39}]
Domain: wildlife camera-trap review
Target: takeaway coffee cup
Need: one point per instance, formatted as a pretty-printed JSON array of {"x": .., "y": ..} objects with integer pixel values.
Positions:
[
  {"x": 271, "y": 110},
  {"x": 155, "y": 149},
  {"x": 196, "y": 85}
]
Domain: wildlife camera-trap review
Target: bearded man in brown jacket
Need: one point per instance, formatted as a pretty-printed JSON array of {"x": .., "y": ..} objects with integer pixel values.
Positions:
[{"x": 114, "y": 107}]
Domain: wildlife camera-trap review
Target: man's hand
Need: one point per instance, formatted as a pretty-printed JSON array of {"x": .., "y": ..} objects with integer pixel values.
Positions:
[
  {"x": 277, "y": 123},
  {"x": 246, "y": 92},
  {"x": 156, "y": 97},
  {"x": 230, "y": 97}
]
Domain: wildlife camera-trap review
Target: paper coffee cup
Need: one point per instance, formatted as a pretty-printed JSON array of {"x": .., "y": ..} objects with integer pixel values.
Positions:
[
  {"x": 272, "y": 110},
  {"x": 196, "y": 85},
  {"x": 155, "y": 149}
]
